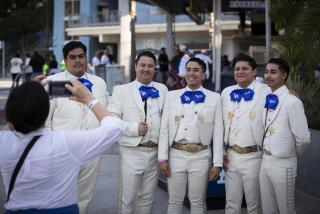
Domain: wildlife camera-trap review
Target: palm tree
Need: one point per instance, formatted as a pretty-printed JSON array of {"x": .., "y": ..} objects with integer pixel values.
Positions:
[{"x": 300, "y": 46}]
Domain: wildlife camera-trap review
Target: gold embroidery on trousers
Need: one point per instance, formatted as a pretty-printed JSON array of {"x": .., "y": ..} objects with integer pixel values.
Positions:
[{"x": 290, "y": 189}]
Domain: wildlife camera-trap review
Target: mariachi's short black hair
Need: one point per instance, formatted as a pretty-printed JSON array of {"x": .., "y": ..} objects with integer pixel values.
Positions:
[
  {"x": 246, "y": 58},
  {"x": 147, "y": 54},
  {"x": 27, "y": 107},
  {"x": 282, "y": 64},
  {"x": 200, "y": 62},
  {"x": 73, "y": 45}
]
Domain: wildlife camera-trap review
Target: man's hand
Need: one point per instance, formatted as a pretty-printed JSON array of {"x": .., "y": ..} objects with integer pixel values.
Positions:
[
  {"x": 225, "y": 163},
  {"x": 164, "y": 168},
  {"x": 214, "y": 173},
  {"x": 142, "y": 128}
]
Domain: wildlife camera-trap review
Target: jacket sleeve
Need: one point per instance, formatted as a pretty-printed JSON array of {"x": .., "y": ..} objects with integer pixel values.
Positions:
[
  {"x": 115, "y": 106},
  {"x": 218, "y": 135},
  {"x": 163, "y": 145},
  {"x": 298, "y": 123}
]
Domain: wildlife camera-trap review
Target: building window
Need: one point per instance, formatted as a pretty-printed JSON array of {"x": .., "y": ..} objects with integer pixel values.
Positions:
[
  {"x": 71, "y": 16},
  {"x": 72, "y": 8}
]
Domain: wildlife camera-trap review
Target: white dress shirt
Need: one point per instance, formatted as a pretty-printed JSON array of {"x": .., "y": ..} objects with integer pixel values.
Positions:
[
  {"x": 48, "y": 177},
  {"x": 105, "y": 60},
  {"x": 288, "y": 126}
]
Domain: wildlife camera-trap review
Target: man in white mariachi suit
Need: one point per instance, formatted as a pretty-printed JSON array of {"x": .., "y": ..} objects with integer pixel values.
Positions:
[
  {"x": 66, "y": 114},
  {"x": 286, "y": 129},
  {"x": 192, "y": 117},
  {"x": 139, "y": 104},
  {"x": 242, "y": 115}
]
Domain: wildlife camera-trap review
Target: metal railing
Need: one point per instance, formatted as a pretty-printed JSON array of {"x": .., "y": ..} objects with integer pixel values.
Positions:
[
  {"x": 111, "y": 17},
  {"x": 144, "y": 16}
]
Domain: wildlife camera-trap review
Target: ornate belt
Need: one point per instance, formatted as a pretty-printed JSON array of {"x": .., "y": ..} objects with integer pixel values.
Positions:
[
  {"x": 189, "y": 147},
  {"x": 148, "y": 144},
  {"x": 244, "y": 150}
]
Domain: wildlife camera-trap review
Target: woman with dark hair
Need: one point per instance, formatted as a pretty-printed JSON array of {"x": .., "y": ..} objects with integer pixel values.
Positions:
[{"x": 47, "y": 180}]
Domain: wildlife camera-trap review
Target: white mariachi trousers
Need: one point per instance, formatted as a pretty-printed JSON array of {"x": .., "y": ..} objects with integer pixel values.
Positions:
[
  {"x": 277, "y": 184},
  {"x": 138, "y": 179},
  {"x": 188, "y": 169},
  {"x": 243, "y": 177}
]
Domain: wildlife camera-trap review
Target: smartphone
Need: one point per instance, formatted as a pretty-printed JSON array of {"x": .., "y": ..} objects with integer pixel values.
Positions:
[{"x": 58, "y": 89}]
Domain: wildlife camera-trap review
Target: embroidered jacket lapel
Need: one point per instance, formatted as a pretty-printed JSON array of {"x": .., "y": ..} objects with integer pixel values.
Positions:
[{"x": 137, "y": 97}]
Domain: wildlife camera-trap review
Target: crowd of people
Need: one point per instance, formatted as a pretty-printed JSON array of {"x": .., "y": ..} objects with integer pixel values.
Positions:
[
  {"x": 252, "y": 131},
  {"x": 101, "y": 59},
  {"x": 25, "y": 65},
  {"x": 172, "y": 71}
]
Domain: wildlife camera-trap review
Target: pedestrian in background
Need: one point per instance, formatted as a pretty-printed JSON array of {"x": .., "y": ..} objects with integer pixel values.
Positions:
[
  {"x": 163, "y": 61},
  {"x": 96, "y": 60},
  {"x": 175, "y": 61},
  {"x": 36, "y": 63},
  {"x": 16, "y": 69},
  {"x": 53, "y": 64},
  {"x": 27, "y": 67}
]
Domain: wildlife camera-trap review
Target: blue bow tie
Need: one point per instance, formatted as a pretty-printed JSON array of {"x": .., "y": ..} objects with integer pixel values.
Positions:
[
  {"x": 272, "y": 101},
  {"x": 237, "y": 94},
  {"x": 86, "y": 83},
  {"x": 146, "y": 92},
  {"x": 188, "y": 96}
]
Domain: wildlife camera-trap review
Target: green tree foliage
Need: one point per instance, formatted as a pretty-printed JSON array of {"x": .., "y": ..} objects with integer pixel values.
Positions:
[
  {"x": 20, "y": 19},
  {"x": 300, "y": 46}
]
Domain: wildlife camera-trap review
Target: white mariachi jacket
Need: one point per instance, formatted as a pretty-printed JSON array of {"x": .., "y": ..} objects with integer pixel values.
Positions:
[
  {"x": 286, "y": 126},
  {"x": 126, "y": 103},
  {"x": 209, "y": 123},
  {"x": 253, "y": 109},
  {"x": 66, "y": 114}
]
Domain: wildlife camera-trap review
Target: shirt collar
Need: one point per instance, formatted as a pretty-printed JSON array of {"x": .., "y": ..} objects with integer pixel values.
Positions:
[
  {"x": 282, "y": 90},
  {"x": 199, "y": 89},
  {"x": 71, "y": 76},
  {"x": 140, "y": 84},
  {"x": 40, "y": 131},
  {"x": 251, "y": 86}
]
